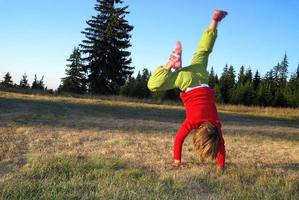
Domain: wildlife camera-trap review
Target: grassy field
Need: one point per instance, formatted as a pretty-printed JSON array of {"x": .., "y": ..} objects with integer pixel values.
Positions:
[{"x": 107, "y": 148}]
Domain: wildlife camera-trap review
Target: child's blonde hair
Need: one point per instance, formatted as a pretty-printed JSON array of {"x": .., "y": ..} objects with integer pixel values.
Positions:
[{"x": 206, "y": 141}]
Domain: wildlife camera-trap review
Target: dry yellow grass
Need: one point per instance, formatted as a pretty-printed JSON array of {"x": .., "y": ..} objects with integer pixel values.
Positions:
[
  {"x": 142, "y": 134},
  {"x": 291, "y": 113}
]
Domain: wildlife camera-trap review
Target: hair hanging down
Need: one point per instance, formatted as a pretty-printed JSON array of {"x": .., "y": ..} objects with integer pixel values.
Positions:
[{"x": 206, "y": 141}]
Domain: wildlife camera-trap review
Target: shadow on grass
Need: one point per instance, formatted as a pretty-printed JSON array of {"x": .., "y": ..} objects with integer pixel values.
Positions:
[{"x": 63, "y": 114}]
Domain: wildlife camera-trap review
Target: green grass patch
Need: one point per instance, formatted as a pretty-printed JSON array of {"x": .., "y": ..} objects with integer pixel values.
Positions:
[
  {"x": 69, "y": 177},
  {"x": 252, "y": 183}
]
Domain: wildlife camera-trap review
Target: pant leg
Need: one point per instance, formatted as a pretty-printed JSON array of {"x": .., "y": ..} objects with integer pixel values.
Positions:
[
  {"x": 204, "y": 48},
  {"x": 190, "y": 76},
  {"x": 196, "y": 73},
  {"x": 163, "y": 79}
]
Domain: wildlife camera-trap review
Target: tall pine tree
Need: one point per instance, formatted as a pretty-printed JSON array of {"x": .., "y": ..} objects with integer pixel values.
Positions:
[
  {"x": 280, "y": 79},
  {"x": 75, "y": 79},
  {"x": 38, "y": 84},
  {"x": 24, "y": 82},
  {"x": 7, "y": 82},
  {"x": 283, "y": 75},
  {"x": 256, "y": 80},
  {"x": 241, "y": 76},
  {"x": 212, "y": 78},
  {"x": 248, "y": 76},
  {"x": 227, "y": 83},
  {"x": 107, "y": 40}
]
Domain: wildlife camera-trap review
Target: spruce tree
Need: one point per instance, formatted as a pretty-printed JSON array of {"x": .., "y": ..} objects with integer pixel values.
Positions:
[
  {"x": 38, "y": 84},
  {"x": 216, "y": 79},
  {"x": 144, "y": 78},
  {"x": 212, "y": 78},
  {"x": 107, "y": 60},
  {"x": 275, "y": 71},
  {"x": 241, "y": 76},
  {"x": 280, "y": 80},
  {"x": 283, "y": 75},
  {"x": 7, "y": 82},
  {"x": 243, "y": 94},
  {"x": 269, "y": 87},
  {"x": 297, "y": 88},
  {"x": 281, "y": 72},
  {"x": 256, "y": 80},
  {"x": 248, "y": 76},
  {"x": 269, "y": 79},
  {"x": 255, "y": 85},
  {"x": 128, "y": 89},
  {"x": 231, "y": 74},
  {"x": 264, "y": 94},
  {"x": 75, "y": 79},
  {"x": 24, "y": 82},
  {"x": 291, "y": 91},
  {"x": 138, "y": 88},
  {"x": 227, "y": 83}
]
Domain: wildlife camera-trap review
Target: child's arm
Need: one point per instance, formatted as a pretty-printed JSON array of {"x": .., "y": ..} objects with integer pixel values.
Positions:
[
  {"x": 183, "y": 132},
  {"x": 221, "y": 152}
]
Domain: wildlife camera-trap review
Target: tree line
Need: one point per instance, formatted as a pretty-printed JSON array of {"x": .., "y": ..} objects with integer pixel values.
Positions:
[
  {"x": 275, "y": 88},
  {"x": 37, "y": 84}
]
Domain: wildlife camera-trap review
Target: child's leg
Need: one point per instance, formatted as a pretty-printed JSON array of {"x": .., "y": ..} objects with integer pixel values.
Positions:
[
  {"x": 205, "y": 47},
  {"x": 175, "y": 60},
  {"x": 163, "y": 78}
]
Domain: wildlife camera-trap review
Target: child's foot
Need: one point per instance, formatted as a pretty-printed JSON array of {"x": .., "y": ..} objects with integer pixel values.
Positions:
[
  {"x": 219, "y": 15},
  {"x": 175, "y": 60}
]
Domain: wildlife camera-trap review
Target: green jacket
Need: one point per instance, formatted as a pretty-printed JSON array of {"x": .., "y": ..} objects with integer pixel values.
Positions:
[{"x": 190, "y": 76}]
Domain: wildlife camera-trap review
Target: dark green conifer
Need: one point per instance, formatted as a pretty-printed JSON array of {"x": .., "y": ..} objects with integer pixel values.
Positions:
[
  {"x": 7, "y": 82},
  {"x": 106, "y": 43},
  {"x": 74, "y": 81},
  {"x": 24, "y": 82}
]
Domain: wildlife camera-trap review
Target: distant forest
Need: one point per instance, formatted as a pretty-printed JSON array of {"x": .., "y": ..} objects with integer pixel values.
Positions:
[
  {"x": 101, "y": 65},
  {"x": 275, "y": 88}
]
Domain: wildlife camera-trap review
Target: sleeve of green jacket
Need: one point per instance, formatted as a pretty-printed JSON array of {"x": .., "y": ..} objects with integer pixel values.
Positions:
[{"x": 190, "y": 76}]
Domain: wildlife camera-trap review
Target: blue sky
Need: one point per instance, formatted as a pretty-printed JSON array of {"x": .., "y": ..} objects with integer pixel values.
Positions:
[{"x": 37, "y": 36}]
